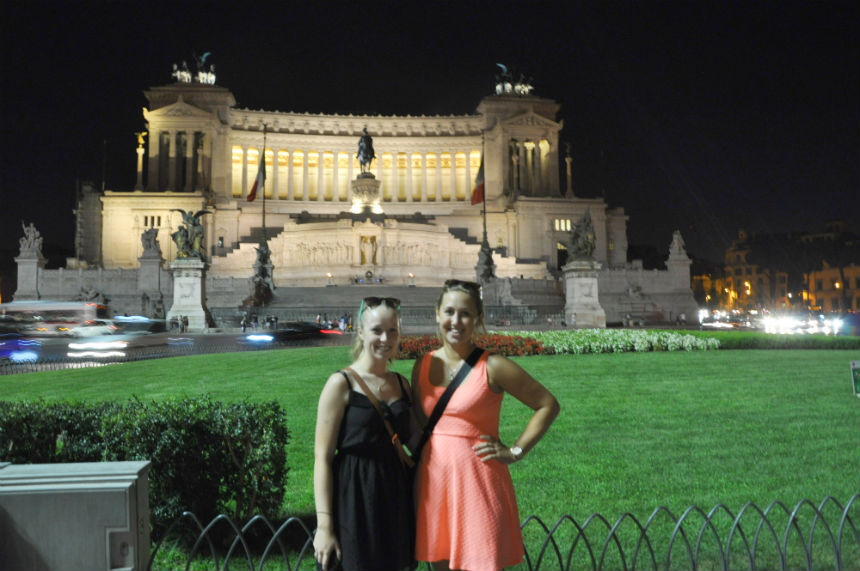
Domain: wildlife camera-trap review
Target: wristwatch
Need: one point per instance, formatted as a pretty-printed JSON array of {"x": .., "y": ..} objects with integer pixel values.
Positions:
[{"x": 516, "y": 452}]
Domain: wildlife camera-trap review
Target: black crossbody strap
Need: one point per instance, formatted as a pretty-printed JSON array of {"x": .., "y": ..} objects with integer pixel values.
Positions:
[
  {"x": 446, "y": 396},
  {"x": 395, "y": 438}
]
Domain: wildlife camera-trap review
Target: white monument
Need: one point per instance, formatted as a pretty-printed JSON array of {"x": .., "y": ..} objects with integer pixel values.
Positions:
[
  {"x": 582, "y": 308},
  {"x": 188, "y": 293}
]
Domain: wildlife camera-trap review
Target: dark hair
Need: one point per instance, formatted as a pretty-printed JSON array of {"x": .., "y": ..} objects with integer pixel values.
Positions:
[
  {"x": 473, "y": 290},
  {"x": 370, "y": 303}
]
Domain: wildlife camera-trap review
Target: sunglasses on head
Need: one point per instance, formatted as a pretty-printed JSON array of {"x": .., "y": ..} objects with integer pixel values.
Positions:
[
  {"x": 460, "y": 283},
  {"x": 371, "y": 302}
]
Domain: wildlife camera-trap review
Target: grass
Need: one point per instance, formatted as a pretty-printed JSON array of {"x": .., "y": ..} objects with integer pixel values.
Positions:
[{"x": 636, "y": 431}]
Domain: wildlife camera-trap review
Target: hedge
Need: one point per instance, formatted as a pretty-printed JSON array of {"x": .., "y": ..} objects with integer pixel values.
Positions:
[{"x": 207, "y": 457}]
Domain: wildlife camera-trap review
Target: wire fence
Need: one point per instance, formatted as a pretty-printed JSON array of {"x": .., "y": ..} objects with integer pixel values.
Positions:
[{"x": 807, "y": 536}]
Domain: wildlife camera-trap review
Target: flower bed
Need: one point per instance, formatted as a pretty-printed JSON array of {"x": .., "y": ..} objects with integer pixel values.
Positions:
[
  {"x": 413, "y": 346},
  {"x": 576, "y": 341},
  {"x": 620, "y": 340}
]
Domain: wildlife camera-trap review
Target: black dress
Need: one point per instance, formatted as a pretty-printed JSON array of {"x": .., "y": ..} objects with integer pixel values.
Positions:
[{"x": 373, "y": 508}]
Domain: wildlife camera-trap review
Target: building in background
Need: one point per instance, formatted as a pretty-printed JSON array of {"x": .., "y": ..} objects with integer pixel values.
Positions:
[
  {"x": 199, "y": 151},
  {"x": 817, "y": 271}
]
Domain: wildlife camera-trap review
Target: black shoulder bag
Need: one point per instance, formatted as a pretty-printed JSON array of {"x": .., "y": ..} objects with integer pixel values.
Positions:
[{"x": 464, "y": 371}]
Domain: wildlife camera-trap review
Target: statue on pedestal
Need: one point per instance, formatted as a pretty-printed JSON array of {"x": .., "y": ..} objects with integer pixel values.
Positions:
[
  {"x": 264, "y": 287},
  {"x": 365, "y": 152},
  {"x": 582, "y": 239},
  {"x": 189, "y": 237},
  {"x": 148, "y": 240},
  {"x": 31, "y": 242}
]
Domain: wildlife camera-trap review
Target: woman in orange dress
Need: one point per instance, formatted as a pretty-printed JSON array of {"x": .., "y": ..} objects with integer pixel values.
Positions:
[{"x": 467, "y": 515}]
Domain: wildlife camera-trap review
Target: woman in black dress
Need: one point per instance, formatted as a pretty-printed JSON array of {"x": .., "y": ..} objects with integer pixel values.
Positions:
[{"x": 365, "y": 513}]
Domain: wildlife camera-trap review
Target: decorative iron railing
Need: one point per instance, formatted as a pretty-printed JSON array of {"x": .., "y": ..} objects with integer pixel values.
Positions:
[{"x": 809, "y": 536}]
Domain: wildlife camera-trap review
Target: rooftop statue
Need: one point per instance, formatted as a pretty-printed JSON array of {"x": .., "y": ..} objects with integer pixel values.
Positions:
[
  {"x": 582, "y": 239},
  {"x": 506, "y": 85},
  {"x": 365, "y": 151},
  {"x": 189, "y": 237}
]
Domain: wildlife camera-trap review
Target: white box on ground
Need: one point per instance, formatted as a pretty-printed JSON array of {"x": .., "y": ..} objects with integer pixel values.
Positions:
[{"x": 87, "y": 516}]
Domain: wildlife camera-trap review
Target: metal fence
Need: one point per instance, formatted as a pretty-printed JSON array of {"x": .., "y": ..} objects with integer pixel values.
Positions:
[{"x": 807, "y": 536}]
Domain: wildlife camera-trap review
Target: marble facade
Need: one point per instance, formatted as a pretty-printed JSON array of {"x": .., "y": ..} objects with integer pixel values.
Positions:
[{"x": 202, "y": 151}]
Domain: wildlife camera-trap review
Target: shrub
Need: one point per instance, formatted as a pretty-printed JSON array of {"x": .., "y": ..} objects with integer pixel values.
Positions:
[{"x": 37, "y": 432}]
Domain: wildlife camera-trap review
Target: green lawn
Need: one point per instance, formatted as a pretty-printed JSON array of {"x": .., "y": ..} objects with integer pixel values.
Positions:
[{"x": 636, "y": 431}]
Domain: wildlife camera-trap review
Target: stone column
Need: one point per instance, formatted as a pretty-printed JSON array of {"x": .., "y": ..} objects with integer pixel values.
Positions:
[
  {"x": 245, "y": 188},
  {"x": 305, "y": 170},
  {"x": 200, "y": 147},
  {"x": 189, "y": 161},
  {"x": 438, "y": 176},
  {"x": 469, "y": 182},
  {"x": 290, "y": 190},
  {"x": 139, "y": 184},
  {"x": 395, "y": 189},
  {"x": 409, "y": 196},
  {"x": 276, "y": 166},
  {"x": 335, "y": 187},
  {"x": 320, "y": 176},
  {"x": 453, "y": 176},
  {"x": 519, "y": 166},
  {"x": 171, "y": 161},
  {"x": 423, "y": 177},
  {"x": 152, "y": 164},
  {"x": 568, "y": 161}
]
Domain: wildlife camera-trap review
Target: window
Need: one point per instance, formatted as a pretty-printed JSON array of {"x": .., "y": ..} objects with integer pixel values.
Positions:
[{"x": 561, "y": 224}]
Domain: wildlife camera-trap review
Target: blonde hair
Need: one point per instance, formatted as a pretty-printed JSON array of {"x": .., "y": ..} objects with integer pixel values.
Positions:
[{"x": 372, "y": 303}]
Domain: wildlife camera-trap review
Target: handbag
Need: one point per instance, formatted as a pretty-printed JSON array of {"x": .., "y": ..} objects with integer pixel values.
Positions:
[
  {"x": 402, "y": 451},
  {"x": 464, "y": 371}
]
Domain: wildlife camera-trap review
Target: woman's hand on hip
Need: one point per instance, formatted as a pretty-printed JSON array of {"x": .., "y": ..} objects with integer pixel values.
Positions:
[{"x": 489, "y": 448}]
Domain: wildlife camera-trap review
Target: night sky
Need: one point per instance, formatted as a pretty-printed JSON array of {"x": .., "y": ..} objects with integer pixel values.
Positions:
[{"x": 701, "y": 116}]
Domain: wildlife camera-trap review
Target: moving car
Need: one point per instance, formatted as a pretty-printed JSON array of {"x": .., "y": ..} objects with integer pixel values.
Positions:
[{"x": 93, "y": 328}]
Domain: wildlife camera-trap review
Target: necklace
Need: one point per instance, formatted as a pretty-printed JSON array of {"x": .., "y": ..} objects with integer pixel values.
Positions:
[
  {"x": 378, "y": 388},
  {"x": 453, "y": 372}
]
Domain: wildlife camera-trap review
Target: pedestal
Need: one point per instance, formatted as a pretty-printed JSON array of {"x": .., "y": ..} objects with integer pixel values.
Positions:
[
  {"x": 365, "y": 193},
  {"x": 582, "y": 306},
  {"x": 188, "y": 293},
  {"x": 29, "y": 265}
]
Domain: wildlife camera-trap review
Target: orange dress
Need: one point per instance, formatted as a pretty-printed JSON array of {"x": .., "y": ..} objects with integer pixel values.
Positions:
[{"x": 467, "y": 511}]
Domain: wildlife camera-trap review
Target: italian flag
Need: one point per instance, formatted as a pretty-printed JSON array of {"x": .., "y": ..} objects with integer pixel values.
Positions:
[
  {"x": 260, "y": 181},
  {"x": 478, "y": 191}
]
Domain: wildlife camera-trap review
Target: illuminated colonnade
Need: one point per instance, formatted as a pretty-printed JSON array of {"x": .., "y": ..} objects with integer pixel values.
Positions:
[
  {"x": 178, "y": 160},
  {"x": 325, "y": 175}
]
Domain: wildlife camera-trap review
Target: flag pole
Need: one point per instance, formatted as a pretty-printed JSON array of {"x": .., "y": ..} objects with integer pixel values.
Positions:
[
  {"x": 263, "y": 190},
  {"x": 484, "y": 201},
  {"x": 485, "y": 268}
]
